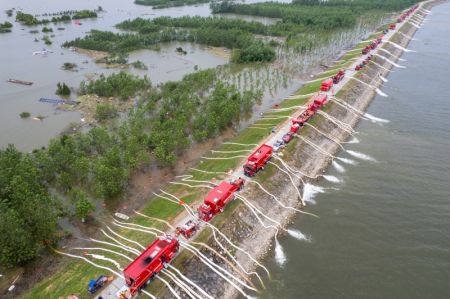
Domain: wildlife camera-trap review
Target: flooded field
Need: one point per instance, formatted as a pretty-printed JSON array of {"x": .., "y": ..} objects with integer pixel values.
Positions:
[
  {"x": 45, "y": 70},
  {"x": 164, "y": 64}
]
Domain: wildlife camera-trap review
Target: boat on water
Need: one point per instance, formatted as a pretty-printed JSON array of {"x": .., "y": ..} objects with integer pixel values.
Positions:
[
  {"x": 44, "y": 52},
  {"x": 19, "y": 81}
]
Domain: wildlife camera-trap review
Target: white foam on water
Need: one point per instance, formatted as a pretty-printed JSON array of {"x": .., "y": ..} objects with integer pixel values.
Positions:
[
  {"x": 391, "y": 62},
  {"x": 400, "y": 47},
  {"x": 388, "y": 52},
  {"x": 361, "y": 156},
  {"x": 280, "y": 257},
  {"x": 378, "y": 91},
  {"x": 348, "y": 161},
  {"x": 298, "y": 235},
  {"x": 339, "y": 168},
  {"x": 376, "y": 119},
  {"x": 332, "y": 178},
  {"x": 401, "y": 59},
  {"x": 383, "y": 79},
  {"x": 354, "y": 140},
  {"x": 310, "y": 191},
  {"x": 363, "y": 81}
]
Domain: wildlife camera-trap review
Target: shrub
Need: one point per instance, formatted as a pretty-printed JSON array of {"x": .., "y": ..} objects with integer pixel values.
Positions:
[
  {"x": 105, "y": 111},
  {"x": 69, "y": 66},
  {"x": 25, "y": 114},
  {"x": 62, "y": 89},
  {"x": 46, "y": 29},
  {"x": 47, "y": 40}
]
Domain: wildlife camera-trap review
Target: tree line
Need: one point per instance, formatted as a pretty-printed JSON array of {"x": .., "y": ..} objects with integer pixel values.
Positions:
[
  {"x": 316, "y": 15},
  {"x": 361, "y": 5},
  {"x": 30, "y": 20},
  {"x": 158, "y": 4},
  {"x": 28, "y": 213},
  {"x": 121, "y": 85},
  {"x": 297, "y": 17}
]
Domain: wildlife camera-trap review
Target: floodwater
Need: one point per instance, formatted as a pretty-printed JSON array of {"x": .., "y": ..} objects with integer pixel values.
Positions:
[
  {"x": 45, "y": 71},
  {"x": 385, "y": 232}
]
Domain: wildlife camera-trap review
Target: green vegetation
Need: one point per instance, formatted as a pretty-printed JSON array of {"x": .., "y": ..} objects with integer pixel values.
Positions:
[
  {"x": 68, "y": 66},
  {"x": 105, "y": 111},
  {"x": 168, "y": 3},
  {"x": 115, "y": 58},
  {"x": 139, "y": 65},
  {"x": 5, "y": 27},
  {"x": 83, "y": 207},
  {"x": 30, "y": 20},
  {"x": 209, "y": 31},
  {"x": 180, "y": 50},
  {"x": 313, "y": 14},
  {"x": 122, "y": 85},
  {"x": 47, "y": 29},
  {"x": 27, "y": 19},
  {"x": 47, "y": 40},
  {"x": 25, "y": 114},
  {"x": 27, "y": 212},
  {"x": 63, "y": 18},
  {"x": 312, "y": 17},
  {"x": 307, "y": 23},
  {"x": 255, "y": 52},
  {"x": 387, "y": 5},
  {"x": 62, "y": 89},
  {"x": 84, "y": 14}
]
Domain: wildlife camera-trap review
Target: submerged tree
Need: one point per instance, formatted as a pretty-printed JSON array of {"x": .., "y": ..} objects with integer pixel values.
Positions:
[{"x": 62, "y": 89}]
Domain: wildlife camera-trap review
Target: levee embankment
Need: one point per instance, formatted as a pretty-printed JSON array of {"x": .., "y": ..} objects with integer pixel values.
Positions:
[{"x": 240, "y": 223}]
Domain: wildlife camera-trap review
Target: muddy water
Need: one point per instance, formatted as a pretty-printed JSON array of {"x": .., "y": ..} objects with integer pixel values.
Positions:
[
  {"x": 385, "y": 232},
  {"x": 45, "y": 71}
]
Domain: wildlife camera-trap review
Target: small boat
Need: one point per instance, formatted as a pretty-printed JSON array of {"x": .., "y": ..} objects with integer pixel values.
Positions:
[
  {"x": 44, "y": 52},
  {"x": 19, "y": 82}
]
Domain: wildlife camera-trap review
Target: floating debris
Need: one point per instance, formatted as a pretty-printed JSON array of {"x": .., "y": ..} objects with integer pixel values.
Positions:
[{"x": 19, "y": 81}]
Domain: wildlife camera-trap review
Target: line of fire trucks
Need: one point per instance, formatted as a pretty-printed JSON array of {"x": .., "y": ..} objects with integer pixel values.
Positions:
[
  {"x": 153, "y": 259},
  {"x": 141, "y": 271},
  {"x": 375, "y": 43}
]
